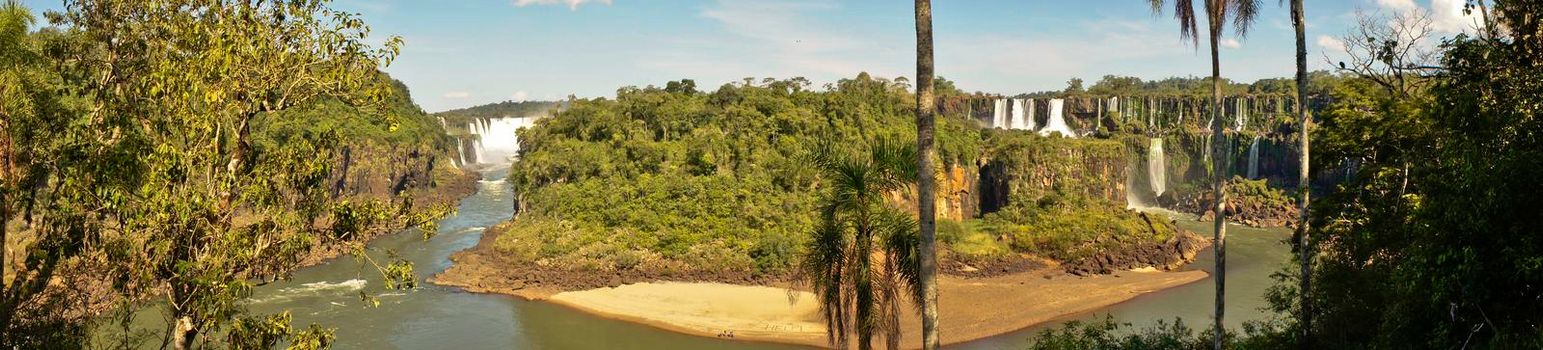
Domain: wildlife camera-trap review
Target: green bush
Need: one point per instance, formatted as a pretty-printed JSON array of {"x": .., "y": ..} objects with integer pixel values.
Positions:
[
  {"x": 968, "y": 243},
  {"x": 1071, "y": 227}
]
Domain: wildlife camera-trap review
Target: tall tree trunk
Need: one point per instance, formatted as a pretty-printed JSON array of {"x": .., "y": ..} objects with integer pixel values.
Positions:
[
  {"x": 1305, "y": 320},
  {"x": 1220, "y": 169},
  {"x": 926, "y": 207}
]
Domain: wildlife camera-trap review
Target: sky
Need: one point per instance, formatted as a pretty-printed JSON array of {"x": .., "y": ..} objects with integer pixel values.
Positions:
[{"x": 462, "y": 53}]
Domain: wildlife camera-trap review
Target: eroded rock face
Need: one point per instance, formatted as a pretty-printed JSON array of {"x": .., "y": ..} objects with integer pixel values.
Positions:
[{"x": 957, "y": 197}]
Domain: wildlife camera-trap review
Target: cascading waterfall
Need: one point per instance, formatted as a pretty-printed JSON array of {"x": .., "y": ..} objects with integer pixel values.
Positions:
[
  {"x": 1149, "y": 113},
  {"x": 1179, "y": 105},
  {"x": 497, "y": 140},
  {"x": 1157, "y": 167},
  {"x": 1033, "y": 125},
  {"x": 1018, "y": 109},
  {"x": 999, "y": 113},
  {"x": 460, "y": 152},
  {"x": 1057, "y": 122},
  {"x": 1253, "y": 159},
  {"x": 1114, "y": 106},
  {"x": 1242, "y": 113}
]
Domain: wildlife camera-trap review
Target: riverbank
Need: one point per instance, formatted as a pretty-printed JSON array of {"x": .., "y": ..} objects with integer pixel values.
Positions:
[
  {"x": 760, "y": 309},
  {"x": 971, "y": 308}
]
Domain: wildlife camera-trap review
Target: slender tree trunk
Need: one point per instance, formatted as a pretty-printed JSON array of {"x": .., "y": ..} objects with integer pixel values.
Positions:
[
  {"x": 1220, "y": 169},
  {"x": 1303, "y": 182},
  {"x": 184, "y": 334},
  {"x": 926, "y": 207}
]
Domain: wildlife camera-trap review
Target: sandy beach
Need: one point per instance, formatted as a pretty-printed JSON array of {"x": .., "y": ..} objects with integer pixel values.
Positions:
[
  {"x": 970, "y": 308},
  {"x": 711, "y": 305}
]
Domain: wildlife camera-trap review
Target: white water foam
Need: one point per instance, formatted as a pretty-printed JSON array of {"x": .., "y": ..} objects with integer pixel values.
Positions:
[
  {"x": 1057, "y": 121},
  {"x": 497, "y": 140}
]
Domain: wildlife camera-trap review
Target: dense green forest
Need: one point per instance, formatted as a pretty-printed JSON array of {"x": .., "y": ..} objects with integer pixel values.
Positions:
[
  {"x": 500, "y": 110},
  {"x": 176, "y": 154},
  {"x": 173, "y": 155},
  {"x": 688, "y": 179},
  {"x": 675, "y": 179}
]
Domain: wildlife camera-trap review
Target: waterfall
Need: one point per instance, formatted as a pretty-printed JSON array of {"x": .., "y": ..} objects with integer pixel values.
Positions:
[
  {"x": 1180, "y": 106},
  {"x": 1149, "y": 113},
  {"x": 1057, "y": 122},
  {"x": 1242, "y": 113},
  {"x": 1253, "y": 159},
  {"x": 1114, "y": 106},
  {"x": 999, "y": 113},
  {"x": 1018, "y": 109},
  {"x": 1157, "y": 167},
  {"x": 497, "y": 140},
  {"x": 1030, "y": 116},
  {"x": 460, "y": 151}
]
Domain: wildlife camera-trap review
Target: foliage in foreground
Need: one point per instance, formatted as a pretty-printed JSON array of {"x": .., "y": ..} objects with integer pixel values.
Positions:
[
  {"x": 1108, "y": 334},
  {"x": 862, "y": 261},
  {"x": 176, "y": 154}
]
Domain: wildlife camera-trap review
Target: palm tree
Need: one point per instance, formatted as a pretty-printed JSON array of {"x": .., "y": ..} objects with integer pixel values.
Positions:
[
  {"x": 1305, "y": 320},
  {"x": 926, "y": 207},
  {"x": 862, "y": 260},
  {"x": 1218, "y": 12}
]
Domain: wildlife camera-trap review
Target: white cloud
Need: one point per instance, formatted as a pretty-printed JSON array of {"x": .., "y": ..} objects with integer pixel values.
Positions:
[
  {"x": 781, "y": 38},
  {"x": 572, "y": 4},
  {"x": 1331, "y": 44},
  {"x": 1398, "y": 5},
  {"x": 457, "y": 95},
  {"x": 520, "y": 96},
  {"x": 1230, "y": 43},
  {"x": 1013, "y": 63},
  {"x": 1447, "y": 16}
]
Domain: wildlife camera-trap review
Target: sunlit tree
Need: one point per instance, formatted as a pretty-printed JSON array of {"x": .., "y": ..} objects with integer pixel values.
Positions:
[{"x": 1218, "y": 12}]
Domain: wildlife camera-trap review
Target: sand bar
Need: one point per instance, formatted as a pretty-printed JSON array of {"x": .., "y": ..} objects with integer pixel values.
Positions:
[{"x": 970, "y": 308}]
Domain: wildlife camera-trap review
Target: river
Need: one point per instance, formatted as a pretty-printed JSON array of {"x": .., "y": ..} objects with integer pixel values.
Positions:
[{"x": 435, "y": 317}]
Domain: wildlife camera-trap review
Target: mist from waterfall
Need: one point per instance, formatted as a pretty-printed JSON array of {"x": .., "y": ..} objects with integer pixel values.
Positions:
[
  {"x": 1157, "y": 167},
  {"x": 1057, "y": 121},
  {"x": 1253, "y": 159},
  {"x": 496, "y": 139}
]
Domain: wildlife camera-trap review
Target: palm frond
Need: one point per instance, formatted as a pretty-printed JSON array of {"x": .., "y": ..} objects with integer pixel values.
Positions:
[
  {"x": 857, "y": 227},
  {"x": 896, "y": 157},
  {"x": 1243, "y": 13},
  {"x": 864, "y": 299},
  {"x": 901, "y": 241},
  {"x": 1184, "y": 12},
  {"x": 821, "y": 269}
]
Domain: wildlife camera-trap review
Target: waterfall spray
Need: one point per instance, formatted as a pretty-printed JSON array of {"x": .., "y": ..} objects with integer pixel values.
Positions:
[{"x": 497, "y": 139}]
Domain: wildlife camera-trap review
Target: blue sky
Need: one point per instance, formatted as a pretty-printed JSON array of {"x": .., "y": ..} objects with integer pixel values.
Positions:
[{"x": 461, "y": 53}]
